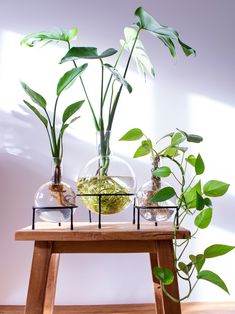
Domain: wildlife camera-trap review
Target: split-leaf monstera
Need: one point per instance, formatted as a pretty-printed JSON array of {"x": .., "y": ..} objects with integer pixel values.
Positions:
[
  {"x": 194, "y": 199},
  {"x": 112, "y": 88}
]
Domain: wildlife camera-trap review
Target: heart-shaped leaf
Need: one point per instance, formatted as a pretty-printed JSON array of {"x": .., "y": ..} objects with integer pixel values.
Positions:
[
  {"x": 163, "y": 194},
  {"x": 199, "y": 165},
  {"x": 142, "y": 151},
  {"x": 132, "y": 135},
  {"x": 191, "y": 159},
  {"x": 86, "y": 53},
  {"x": 162, "y": 172},
  {"x": 203, "y": 219},
  {"x": 213, "y": 278},
  {"x": 68, "y": 78},
  {"x": 165, "y": 275},
  {"x": 177, "y": 138},
  {"x": 215, "y": 188}
]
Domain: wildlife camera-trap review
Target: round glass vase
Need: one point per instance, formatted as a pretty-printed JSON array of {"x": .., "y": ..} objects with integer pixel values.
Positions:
[
  {"x": 154, "y": 211},
  {"x": 108, "y": 176},
  {"x": 55, "y": 194}
]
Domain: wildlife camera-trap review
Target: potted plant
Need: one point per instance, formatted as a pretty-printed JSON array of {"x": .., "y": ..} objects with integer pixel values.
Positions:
[
  {"x": 54, "y": 198},
  {"x": 193, "y": 199},
  {"x": 103, "y": 180}
]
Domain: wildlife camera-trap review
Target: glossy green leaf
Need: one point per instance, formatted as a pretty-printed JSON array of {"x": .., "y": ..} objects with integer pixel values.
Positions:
[
  {"x": 139, "y": 54},
  {"x": 191, "y": 194},
  {"x": 183, "y": 267},
  {"x": 203, "y": 219},
  {"x": 36, "y": 98},
  {"x": 177, "y": 139},
  {"x": 165, "y": 275},
  {"x": 147, "y": 143},
  {"x": 215, "y": 188},
  {"x": 199, "y": 202},
  {"x": 164, "y": 33},
  {"x": 213, "y": 278},
  {"x": 163, "y": 194},
  {"x": 171, "y": 152},
  {"x": 192, "y": 137},
  {"x": 217, "y": 250},
  {"x": 118, "y": 77},
  {"x": 132, "y": 135},
  {"x": 199, "y": 165},
  {"x": 63, "y": 35},
  {"x": 200, "y": 261},
  {"x": 71, "y": 109},
  {"x": 69, "y": 78},
  {"x": 207, "y": 202},
  {"x": 191, "y": 159},
  {"x": 162, "y": 172},
  {"x": 86, "y": 53},
  {"x": 142, "y": 151},
  {"x": 37, "y": 113}
]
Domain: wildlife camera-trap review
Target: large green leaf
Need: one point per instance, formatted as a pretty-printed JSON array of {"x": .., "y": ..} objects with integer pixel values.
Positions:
[
  {"x": 199, "y": 165},
  {"x": 217, "y": 250},
  {"x": 63, "y": 35},
  {"x": 203, "y": 219},
  {"x": 213, "y": 278},
  {"x": 163, "y": 171},
  {"x": 163, "y": 194},
  {"x": 177, "y": 138},
  {"x": 37, "y": 98},
  {"x": 165, "y": 275},
  {"x": 164, "y": 33},
  {"x": 68, "y": 78},
  {"x": 191, "y": 195},
  {"x": 142, "y": 151},
  {"x": 86, "y": 53},
  {"x": 215, "y": 188},
  {"x": 71, "y": 109},
  {"x": 37, "y": 113},
  {"x": 139, "y": 54},
  {"x": 118, "y": 77},
  {"x": 132, "y": 135}
]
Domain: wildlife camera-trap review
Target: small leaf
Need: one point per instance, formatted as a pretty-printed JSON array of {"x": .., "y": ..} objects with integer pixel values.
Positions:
[
  {"x": 207, "y": 202},
  {"x": 171, "y": 152},
  {"x": 142, "y": 151},
  {"x": 132, "y": 135},
  {"x": 199, "y": 165},
  {"x": 200, "y": 261},
  {"x": 118, "y": 77},
  {"x": 199, "y": 201},
  {"x": 69, "y": 77},
  {"x": 37, "y": 98},
  {"x": 192, "y": 137},
  {"x": 177, "y": 138},
  {"x": 38, "y": 114},
  {"x": 71, "y": 109},
  {"x": 215, "y": 188},
  {"x": 165, "y": 275},
  {"x": 203, "y": 219},
  {"x": 163, "y": 194},
  {"x": 191, "y": 194},
  {"x": 191, "y": 160},
  {"x": 162, "y": 172},
  {"x": 182, "y": 266},
  {"x": 147, "y": 143},
  {"x": 217, "y": 250},
  {"x": 213, "y": 278},
  {"x": 86, "y": 53}
]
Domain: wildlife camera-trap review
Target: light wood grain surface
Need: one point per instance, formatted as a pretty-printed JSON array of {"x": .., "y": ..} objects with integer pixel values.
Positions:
[{"x": 90, "y": 232}]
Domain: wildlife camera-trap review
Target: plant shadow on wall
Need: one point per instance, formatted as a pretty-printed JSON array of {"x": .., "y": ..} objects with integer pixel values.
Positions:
[{"x": 194, "y": 200}]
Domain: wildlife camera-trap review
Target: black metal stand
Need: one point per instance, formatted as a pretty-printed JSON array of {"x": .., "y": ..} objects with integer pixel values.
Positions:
[
  {"x": 51, "y": 209},
  {"x": 153, "y": 207},
  {"x": 100, "y": 195}
]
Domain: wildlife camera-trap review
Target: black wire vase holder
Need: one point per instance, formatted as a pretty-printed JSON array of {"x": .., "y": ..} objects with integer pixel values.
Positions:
[{"x": 52, "y": 208}]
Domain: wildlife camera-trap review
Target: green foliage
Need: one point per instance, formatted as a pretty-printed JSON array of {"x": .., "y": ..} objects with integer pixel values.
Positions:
[
  {"x": 203, "y": 219},
  {"x": 165, "y": 275},
  {"x": 215, "y": 188},
  {"x": 132, "y": 135},
  {"x": 71, "y": 110},
  {"x": 163, "y": 194},
  {"x": 117, "y": 76},
  {"x": 199, "y": 165},
  {"x": 217, "y": 250},
  {"x": 35, "y": 97},
  {"x": 213, "y": 278},
  {"x": 162, "y": 172},
  {"x": 38, "y": 114}
]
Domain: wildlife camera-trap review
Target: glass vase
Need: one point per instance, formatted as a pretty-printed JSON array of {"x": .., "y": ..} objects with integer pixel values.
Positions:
[
  {"x": 108, "y": 176},
  {"x": 55, "y": 194},
  {"x": 154, "y": 211}
]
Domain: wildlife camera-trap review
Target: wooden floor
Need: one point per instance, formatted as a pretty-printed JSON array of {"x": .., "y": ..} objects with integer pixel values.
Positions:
[{"x": 187, "y": 308}]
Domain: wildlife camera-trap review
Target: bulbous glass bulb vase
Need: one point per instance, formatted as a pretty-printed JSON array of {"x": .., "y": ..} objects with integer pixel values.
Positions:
[
  {"x": 53, "y": 195},
  {"x": 108, "y": 176}
]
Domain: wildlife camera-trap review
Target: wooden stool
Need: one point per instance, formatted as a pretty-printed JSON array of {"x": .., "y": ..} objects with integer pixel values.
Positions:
[{"x": 50, "y": 241}]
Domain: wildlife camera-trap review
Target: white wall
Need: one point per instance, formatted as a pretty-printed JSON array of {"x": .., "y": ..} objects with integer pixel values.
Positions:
[{"x": 195, "y": 94}]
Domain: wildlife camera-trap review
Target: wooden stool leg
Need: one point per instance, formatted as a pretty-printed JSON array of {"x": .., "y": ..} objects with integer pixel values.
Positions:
[
  {"x": 51, "y": 284},
  {"x": 38, "y": 277},
  {"x": 164, "y": 257}
]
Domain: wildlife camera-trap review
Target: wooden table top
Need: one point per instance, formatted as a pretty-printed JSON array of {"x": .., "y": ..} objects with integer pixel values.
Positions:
[{"x": 90, "y": 232}]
